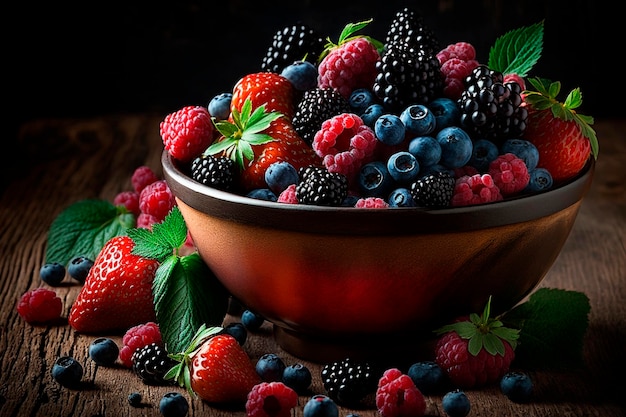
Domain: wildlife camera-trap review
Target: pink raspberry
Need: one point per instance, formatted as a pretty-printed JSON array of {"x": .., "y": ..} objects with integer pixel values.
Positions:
[
  {"x": 462, "y": 50},
  {"x": 137, "y": 337},
  {"x": 288, "y": 195},
  {"x": 187, "y": 132},
  {"x": 157, "y": 200},
  {"x": 397, "y": 396},
  {"x": 371, "y": 202},
  {"x": 128, "y": 199},
  {"x": 349, "y": 66},
  {"x": 475, "y": 189},
  {"x": 271, "y": 399},
  {"x": 509, "y": 173},
  {"x": 344, "y": 143},
  {"x": 455, "y": 70},
  {"x": 453, "y": 88},
  {"x": 145, "y": 221},
  {"x": 143, "y": 176},
  {"x": 40, "y": 305}
]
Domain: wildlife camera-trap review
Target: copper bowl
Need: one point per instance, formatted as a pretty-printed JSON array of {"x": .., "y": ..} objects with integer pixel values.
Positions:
[{"x": 335, "y": 281}]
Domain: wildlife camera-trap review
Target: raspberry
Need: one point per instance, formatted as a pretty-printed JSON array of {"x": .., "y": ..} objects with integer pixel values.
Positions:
[
  {"x": 288, "y": 195},
  {"x": 371, "y": 202},
  {"x": 40, "y": 305},
  {"x": 509, "y": 173},
  {"x": 397, "y": 396},
  {"x": 475, "y": 189},
  {"x": 345, "y": 143},
  {"x": 187, "y": 132},
  {"x": 145, "y": 221},
  {"x": 157, "y": 200},
  {"x": 137, "y": 337},
  {"x": 455, "y": 71},
  {"x": 271, "y": 399},
  {"x": 461, "y": 50},
  {"x": 142, "y": 176},
  {"x": 128, "y": 199}
]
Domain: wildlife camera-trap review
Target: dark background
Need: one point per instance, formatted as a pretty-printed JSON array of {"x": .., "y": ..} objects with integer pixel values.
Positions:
[{"x": 110, "y": 57}]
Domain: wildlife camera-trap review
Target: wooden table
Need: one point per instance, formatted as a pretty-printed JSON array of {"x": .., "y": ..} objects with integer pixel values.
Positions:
[{"x": 63, "y": 161}]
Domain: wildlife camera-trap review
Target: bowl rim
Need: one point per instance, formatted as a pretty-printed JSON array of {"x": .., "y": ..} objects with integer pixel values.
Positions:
[{"x": 366, "y": 221}]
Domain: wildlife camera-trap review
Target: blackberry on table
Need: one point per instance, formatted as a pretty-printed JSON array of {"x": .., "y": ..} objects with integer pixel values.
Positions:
[
  {"x": 215, "y": 171},
  {"x": 433, "y": 190},
  {"x": 316, "y": 106},
  {"x": 151, "y": 363},
  {"x": 318, "y": 186},
  {"x": 348, "y": 381},
  {"x": 292, "y": 43}
]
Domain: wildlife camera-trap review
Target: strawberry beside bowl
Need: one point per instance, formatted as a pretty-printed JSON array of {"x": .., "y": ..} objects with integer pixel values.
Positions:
[{"x": 337, "y": 280}]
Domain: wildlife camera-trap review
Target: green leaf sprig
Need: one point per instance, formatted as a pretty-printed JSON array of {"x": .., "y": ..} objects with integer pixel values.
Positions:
[
  {"x": 517, "y": 51},
  {"x": 347, "y": 34}
]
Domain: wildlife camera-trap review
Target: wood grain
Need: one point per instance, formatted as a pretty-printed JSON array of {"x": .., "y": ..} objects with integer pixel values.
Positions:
[{"x": 63, "y": 161}]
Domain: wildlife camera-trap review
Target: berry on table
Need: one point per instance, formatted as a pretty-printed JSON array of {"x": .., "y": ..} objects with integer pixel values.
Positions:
[
  {"x": 320, "y": 406},
  {"x": 271, "y": 399},
  {"x": 270, "y": 367},
  {"x": 173, "y": 404},
  {"x": 79, "y": 268},
  {"x": 456, "y": 404},
  {"x": 104, "y": 351},
  {"x": 427, "y": 376},
  {"x": 151, "y": 363},
  {"x": 298, "y": 377},
  {"x": 40, "y": 305},
  {"x": 238, "y": 331},
  {"x": 52, "y": 273},
  {"x": 397, "y": 396},
  {"x": 251, "y": 320},
  {"x": 137, "y": 337},
  {"x": 348, "y": 381},
  {"x": 134, "y": 399},
  {"x": 67, "y": 371},
  {"x": 517, "y": 386}
]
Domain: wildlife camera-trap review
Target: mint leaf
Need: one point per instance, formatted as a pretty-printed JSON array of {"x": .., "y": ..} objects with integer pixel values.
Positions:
[
  {"x": 517, "y": 51},
  {"x": 164, "y": 238},
  {"x": 552, "y": 326},
  {"x": 187, "y": 295},
  {"x": 83, "y": 228}
]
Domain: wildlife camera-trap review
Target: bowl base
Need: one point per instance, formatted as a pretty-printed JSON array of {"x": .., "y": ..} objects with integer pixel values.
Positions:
[{"x": 388, "y": 350}]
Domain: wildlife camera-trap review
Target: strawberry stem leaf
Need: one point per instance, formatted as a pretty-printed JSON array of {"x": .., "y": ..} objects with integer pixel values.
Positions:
[{"x": 517, "y": 51}]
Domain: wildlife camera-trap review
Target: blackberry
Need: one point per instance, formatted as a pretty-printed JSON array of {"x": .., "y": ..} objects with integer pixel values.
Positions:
[
  {"x": 151, "y": 363},
  {"x": 433, "y": 190},
  {"x": 215, "y": 171},
  {"x": 316, "y": 106},
  {"x": 319, "y": 187},
  {"x": 290, "y": 44},
  {"x": 490, "y": 108},
  {"x": 408, "y": 22},
  {"x": 348, "y": 381}
]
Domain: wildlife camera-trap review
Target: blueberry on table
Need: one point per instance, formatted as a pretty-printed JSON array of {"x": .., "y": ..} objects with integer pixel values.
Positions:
[
  {"x": 251, "y": 320},
  {"x": 52, "y": 273},
  {"x": 297, "y": 377},
  {"x": 456, "y": 404},
  {"x": 270, "y": 367},
  {"x": 238, "y": 331},
  {"x": 104, "y": 351},
  {"x": 320, "y": 406},
  {"x": 427, "y": 376},
  {"x": 173, "y": 404},
  {"x": 517, "y": 386},
  {"x": 79, "y": 268},
  {"x": 67, "y": 371}
]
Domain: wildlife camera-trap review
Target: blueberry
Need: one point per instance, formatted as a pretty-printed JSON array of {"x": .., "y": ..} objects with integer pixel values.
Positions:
[
  {"x": 540, "y": 180},
  {"x": 173, "y": 404},
  {"x": 280, "y": 175},
  {"x": 483, "y": 152},
  {"x": 251, "y": 320},
  {"x": 238, "y": 331},
  {"x": 524, "y": 150},
  {"x": 426, "y": 149},
  {"x": 219, "y": 106},
  {"x": 446, "y": 112},
  {"x": 371, "y": 114},
  {"x": 389, "y": 129},
  {"x": 67, "y": 371},
  {"x": 301, "y": 74},
  {"x": 79, "y": 268},
  {"x": 360, "y": 100},
  {"x": 456, "y": 404},
  {"x": 375, "y": 180},
  {"x": 103, "y": 351},
  {"x": 297, "y": 377},
  {"x": 403, "y": 167},
  {"x": 418, "y": 120},
  {"x": 270, "y": 367},
  {"x": 264, "y": 194},
  {"x": 52, "y": 273},
  {"x": 456, "y": 146},
  {"x": 517, "y": 386},
  {"x": 433, "y": 169},
  {"x": 427, "y": 376},
  {"x": 320, "y": 406},
  {"x": 401, "y": 197},
  {"x": 134, "y": 399}
]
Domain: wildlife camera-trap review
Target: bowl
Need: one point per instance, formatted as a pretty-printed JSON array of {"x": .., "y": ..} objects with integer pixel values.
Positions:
[{"x": 338, "y": 281}]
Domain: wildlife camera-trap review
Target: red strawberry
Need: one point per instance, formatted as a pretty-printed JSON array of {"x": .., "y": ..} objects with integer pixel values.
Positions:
[
  {"x": 351, "y": 63},
  {"x": 563, "y": 137},
  {"x": 256, "y": 139},
  {"x": 219, "y": 369},
  {"x": 117, "y": 293},
  {"x": 476, "y": 351},
  {"x": 272, "y": 90}
]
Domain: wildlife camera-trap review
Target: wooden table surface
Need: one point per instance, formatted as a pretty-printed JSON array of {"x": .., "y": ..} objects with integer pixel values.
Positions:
[{"x": 69, "y": 160}]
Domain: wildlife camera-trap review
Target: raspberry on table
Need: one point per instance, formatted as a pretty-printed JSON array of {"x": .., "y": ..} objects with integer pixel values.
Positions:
[
  {"x": 271, "y": 399},
  {"x": 157, "y": 200},
  {"x": 509, "y": 174},
  {"x": 137, "y": 337},
  {"x": 397, "y": 396},
  {"x": 128, "y": 199},
  {"x": 142, "y": 176},
  {"x": 187, "y": 132},
  {"x": 40, "y": 305}
]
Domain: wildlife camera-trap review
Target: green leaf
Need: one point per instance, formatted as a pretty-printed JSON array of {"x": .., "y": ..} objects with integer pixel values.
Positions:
[
  {"x": 164, "y": 238},
  {"x": 553, "y": 324},
  {"x": 83, "y": 228},
  {"x": 187, "y": 295},
  {"x": 517, "y": 51}
]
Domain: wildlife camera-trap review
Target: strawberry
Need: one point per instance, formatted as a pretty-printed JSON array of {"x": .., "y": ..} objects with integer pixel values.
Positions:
[
  {"x": 268, "y": 89},
  {"x": 256, "y": 138},
  {"x": 215, "y": 367},
  {"x": 563, "y": 137},
  {"x": 476, "y": 350},
  {"x": 117, "y": 293}
]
